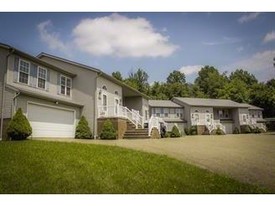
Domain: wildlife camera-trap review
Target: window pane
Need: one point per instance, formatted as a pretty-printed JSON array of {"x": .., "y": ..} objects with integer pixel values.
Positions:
[
  {"x": 172, "y": 111},
  {"x": 63, "y": 81},
  {"x": 41, "y": 83},
  {"x": 68, "y": 82},
  {"x": 24, "y": 67},
  {"x": 42, "y": 73},
  {"x": 62, "y": 89},
  {"x": 68, "y": 91},
  {"x": 23, "y": 78}
]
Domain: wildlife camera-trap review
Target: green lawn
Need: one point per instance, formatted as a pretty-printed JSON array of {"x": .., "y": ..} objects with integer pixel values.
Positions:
[{"x": 52, "y": 167}]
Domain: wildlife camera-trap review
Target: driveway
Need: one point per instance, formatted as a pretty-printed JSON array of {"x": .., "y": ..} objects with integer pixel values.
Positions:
[{"x": 248, "y": 158}]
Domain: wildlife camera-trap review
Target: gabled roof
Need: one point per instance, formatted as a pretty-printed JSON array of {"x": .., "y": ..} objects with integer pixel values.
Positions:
[
  {"x": 208, "y": 102},
  {"x": 35, "y": 59},
  {"x": 252, "y": 107},
  {"x": 100, "y": 72},
  {"x": 163, "y": 103}
]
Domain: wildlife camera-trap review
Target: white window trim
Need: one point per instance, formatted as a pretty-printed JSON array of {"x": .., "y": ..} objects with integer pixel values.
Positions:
[
  {"x": 29, "y": 73},
  {"x": 105, "y": 94},
  {"x": 66, "y": 77},
  {"x": 41, "y": 78}
]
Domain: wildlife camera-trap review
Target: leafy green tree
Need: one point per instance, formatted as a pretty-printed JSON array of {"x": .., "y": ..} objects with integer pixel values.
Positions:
[
  {"x": 108, "y": 130},
  {"x": 139, "y": 81},
  {"x": 157, "y": 91},
  {"x": 176, "y": 77},
  {"x": 117, "y": 75},
  {"x": 210, "y": 81},
  {"x": 195, "y": 91},
  {"x": 19, "y": 127},
  {"x": 246, "y": 77},
  {"x": 83, "y": 130},
  {"x": 176, "y": 90}
]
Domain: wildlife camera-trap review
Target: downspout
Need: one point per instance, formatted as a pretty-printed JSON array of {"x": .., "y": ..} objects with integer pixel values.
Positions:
[
  {"x": 95, "y": 106},
  {"x": 3, "y": 93}
]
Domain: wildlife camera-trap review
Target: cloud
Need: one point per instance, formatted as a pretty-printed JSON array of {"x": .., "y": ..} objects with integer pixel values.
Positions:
[
  {"x": 269, "y": 37},
  {"x": 118, "y": 35},
  {"x": 240, "y": 48},
  {"x": 259, "y": 64},
  {"x": 248, "y": 17},
  {"x": 224, "y": 40},
  {"x": 49, "y": 37},
  {"x": 190, "y": 69}
]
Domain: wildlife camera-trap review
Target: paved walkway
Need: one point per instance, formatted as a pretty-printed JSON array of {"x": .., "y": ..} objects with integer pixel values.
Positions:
[{"x": 248, "y": 158}]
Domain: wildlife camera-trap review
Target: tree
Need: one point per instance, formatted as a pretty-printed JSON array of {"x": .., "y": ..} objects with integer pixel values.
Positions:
[
  {"x": 19, "y": 127},
  {"x": 157, "y": 91},
  {"x": 176, "y": 90},
  {"x": 210, "y": 81},
  {"x": 176, "y": 77},
  {"x": 139, "y": 81},
  {"x": 83, "y": 130},
  {"x": 246, "y": 77},
  {"x": 117, "y": 75},
  {"x": 175, "y": 132}
]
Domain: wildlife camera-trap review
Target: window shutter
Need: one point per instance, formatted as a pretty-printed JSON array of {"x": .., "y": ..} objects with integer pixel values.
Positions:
[
  {"x": 58, "y": 83},
  {"x": 48, "y": 80},
  {"x": 15, "y": 69},
  {"x": 33, "y": 75}
]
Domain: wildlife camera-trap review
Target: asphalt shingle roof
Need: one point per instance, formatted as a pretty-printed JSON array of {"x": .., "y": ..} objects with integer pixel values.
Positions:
[
  {"x": 209, "y": 102},
  {"x": 252, "y": 107},
  {"x": 163, "y": 103}
]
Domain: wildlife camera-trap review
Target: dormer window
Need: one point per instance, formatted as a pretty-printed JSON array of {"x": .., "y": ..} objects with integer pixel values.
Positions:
[
  {"x": 65, "y": 85},
  {"x": 24, "y": 72}
]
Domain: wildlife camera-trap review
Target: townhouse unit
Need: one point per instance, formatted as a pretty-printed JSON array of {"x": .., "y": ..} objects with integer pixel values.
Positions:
[
  {"x": 54, "y": 93},
  {"x": 207, "y": 114}
]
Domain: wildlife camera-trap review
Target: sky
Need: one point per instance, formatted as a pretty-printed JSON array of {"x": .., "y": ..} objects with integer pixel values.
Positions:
[{"x": 157, "y": 42}]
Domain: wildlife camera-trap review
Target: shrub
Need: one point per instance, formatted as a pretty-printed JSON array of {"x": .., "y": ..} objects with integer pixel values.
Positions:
[
  {"x": 219, "y": 131},
  {"x": 245, "y": 129},
  {"x": 187, "y": 131},
  {"x": 236, "y": 131},
  {"x": 193, "y": 130},
  {"x": 256, "y": 130},
  {"x": 108, "y": 130},
  {"x": 19, "y": 127},
  {"x": 175, "y": 132},
  {"x": 83, "y": 130}
]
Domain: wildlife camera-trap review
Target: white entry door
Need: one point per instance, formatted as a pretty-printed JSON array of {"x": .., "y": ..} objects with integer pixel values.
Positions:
[{"x": 48, "y": 121}]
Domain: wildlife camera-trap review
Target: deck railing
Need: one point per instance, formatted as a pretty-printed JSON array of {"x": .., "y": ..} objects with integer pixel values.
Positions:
[{"x": 121, "y": 111}]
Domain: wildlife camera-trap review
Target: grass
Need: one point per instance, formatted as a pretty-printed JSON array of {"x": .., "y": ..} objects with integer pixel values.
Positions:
[{"x": 51, "y": 167}]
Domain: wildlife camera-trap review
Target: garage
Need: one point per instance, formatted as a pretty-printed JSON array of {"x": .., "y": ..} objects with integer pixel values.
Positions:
[
  {"x": 51, "y": 121},
  {"x": 228, "y": 127}
]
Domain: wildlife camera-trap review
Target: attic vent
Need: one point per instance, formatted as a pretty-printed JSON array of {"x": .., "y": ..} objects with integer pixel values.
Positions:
[
  {"x": 104, "y": 87},
  {"x": 116, "y": 92}
]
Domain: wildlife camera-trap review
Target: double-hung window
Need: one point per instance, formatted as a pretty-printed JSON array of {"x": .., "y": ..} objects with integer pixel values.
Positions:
[
  {"x": 24, "y": 72},
  {"x": 65, "y": 85},
  {"x": 41, "y": 78}
]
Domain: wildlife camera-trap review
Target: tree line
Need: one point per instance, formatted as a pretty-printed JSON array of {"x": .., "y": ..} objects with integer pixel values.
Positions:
[{"x": 239, "y": 86}]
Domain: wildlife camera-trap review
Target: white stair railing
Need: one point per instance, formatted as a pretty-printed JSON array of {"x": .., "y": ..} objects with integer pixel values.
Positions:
[
  {"x": 153, "y": 123},
  {"x": 121, "y": 111}
]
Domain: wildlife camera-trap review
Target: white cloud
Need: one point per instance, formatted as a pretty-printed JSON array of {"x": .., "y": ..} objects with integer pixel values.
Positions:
[
  {"x": 224, "y": 40},
  {"x": 248, "y": 17},
  {"x": 259, "y": 64},
  {"x": 269, "y": 37},
  {"x": 51, "y": 38},
  {"x": 190, "y": 69},
  {"x": 121, "y": 36},
  {"x": 240, "y": 48}
]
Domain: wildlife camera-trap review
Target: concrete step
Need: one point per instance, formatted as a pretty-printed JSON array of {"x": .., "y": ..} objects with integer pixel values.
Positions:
[{"x": 137, "y": 137}]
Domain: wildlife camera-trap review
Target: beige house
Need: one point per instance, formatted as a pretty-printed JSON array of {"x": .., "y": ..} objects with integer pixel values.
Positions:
[{"x": 54, "y": 93}]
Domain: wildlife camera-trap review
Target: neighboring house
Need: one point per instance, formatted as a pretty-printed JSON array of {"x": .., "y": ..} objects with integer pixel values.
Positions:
[
  {"x": 169, "y": 112},
  {"x": 54, "y": 92},
  {"x": 207, "y": 114}
]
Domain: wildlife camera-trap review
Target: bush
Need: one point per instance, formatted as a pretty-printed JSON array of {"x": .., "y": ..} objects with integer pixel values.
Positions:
[
  {"x": 187, "y": 131},
  {"x": 83, "y": 130},
  {"x": 108, "y": 130},
  {"x": 256, "y": 130},
  {"x": 19, "y": 127},
  {"x": 236, "y": 131},
  {"x": 219, "y": 131},
  {"x": 193, "y": 130},
  {"x": 175, "y": 132},
  {"x": 245, "y": 129}
]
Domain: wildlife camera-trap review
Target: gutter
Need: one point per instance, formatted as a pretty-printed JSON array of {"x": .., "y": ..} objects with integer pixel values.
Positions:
[
  {"x": 95, "y": 106},
  {"x": 11, "y": 50}
]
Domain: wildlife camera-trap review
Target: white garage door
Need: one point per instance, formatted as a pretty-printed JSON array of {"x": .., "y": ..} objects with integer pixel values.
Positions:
[
  {"x": 228, "y": 127},
  {"x": 50, "y": 121}
]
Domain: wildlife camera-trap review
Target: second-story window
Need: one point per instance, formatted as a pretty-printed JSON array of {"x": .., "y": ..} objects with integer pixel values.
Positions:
[
  {"x": 65, "y": 85},
  {"x": 41, "y": 78},
  {"x": 24, "y": 71}
]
